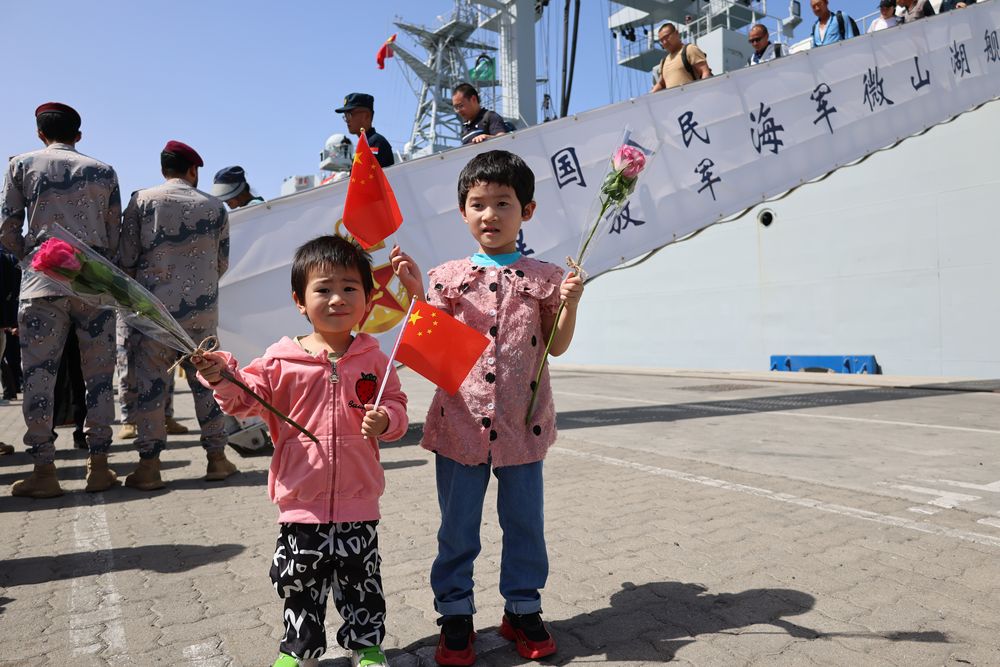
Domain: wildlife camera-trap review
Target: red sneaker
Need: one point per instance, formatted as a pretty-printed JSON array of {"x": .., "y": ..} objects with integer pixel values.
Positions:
[
  {"x": 529, "y": 634},
  {"x": 455, "y": 644}
]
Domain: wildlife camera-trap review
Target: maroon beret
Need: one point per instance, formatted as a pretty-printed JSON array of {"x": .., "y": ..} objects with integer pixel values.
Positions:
[
  {"x": 185, "y": 152},
  {"x": 57, "y": 107}
]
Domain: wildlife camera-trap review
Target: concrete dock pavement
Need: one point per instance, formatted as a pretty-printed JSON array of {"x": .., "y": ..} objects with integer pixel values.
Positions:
[{"x": 692, "y": 517}]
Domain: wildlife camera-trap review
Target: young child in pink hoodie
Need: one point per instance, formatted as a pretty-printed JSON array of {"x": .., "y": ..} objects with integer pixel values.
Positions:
[{"x": 327, "y": 493}]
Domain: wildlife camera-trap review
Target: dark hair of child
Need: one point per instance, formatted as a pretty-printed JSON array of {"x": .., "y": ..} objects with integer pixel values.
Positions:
[
  {"x": 327, "y": 252},
  {"x": 500, "y": 168}
]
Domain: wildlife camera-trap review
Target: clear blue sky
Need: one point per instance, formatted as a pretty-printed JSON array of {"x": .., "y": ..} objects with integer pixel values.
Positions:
[{"x": 252, "y": 82}]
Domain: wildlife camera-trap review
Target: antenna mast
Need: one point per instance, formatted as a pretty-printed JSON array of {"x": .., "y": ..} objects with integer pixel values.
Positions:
[{"x": 435, "y": 125}]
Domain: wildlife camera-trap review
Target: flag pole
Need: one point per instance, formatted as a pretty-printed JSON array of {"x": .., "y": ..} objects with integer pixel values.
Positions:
[{"x": 395, "y": 348}]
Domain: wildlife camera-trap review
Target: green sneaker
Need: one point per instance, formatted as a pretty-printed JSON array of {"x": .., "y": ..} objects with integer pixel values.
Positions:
[
  {"x": 370, "y": 656},
  {"x": 285, "y": 660}
]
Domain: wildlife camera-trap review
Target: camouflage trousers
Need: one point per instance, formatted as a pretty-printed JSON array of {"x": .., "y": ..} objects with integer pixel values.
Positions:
[
  {"x": 151, "y": 361},
  {"x": 43, "y": 324},
  {"x": 128, "y": 393}
]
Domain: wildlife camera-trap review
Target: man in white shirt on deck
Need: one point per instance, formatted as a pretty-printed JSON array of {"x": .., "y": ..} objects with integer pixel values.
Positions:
[
  {"x": 763, "y": 48},
  {"x": 888, "y": 18}
]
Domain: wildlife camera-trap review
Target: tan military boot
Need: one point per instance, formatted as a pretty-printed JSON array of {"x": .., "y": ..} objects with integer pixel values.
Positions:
[
  {"x": 174, "y": 427},
  {"x": 41, "y": 483},
  {"x": 99, "y": 476},
  {"x": 219, "y": 467},
  {"x": 127, "y": 432},
  {"x": 146, "y": 476}
]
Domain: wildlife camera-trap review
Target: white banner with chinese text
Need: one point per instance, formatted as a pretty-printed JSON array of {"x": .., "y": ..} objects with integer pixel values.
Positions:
[{"x": 722, "y": 145}]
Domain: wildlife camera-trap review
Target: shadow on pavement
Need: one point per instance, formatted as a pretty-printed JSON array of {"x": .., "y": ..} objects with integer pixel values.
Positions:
[
  {"x": 66, "y": 452},
  {"x": 123, "y": 494},
  {"x": 408, "y": 463},
  {"x": 75, "y": 468},
  {"x": 78, "y": 470},
  {"x": 162, "y": 558},
  {"x": 670, "y": 412},
  {"x": 651, "y": 622},
  {"x": 644, "y": 414},
  {"x": 992, "y": 384},
  {"x": 413, "y": 434}
]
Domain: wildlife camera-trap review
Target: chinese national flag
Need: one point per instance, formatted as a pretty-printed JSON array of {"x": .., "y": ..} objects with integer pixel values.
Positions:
[
  {"x": 370, "y": 210},
  {"x": 385, "y": 51},
  {"x": 439, "y": 347}
]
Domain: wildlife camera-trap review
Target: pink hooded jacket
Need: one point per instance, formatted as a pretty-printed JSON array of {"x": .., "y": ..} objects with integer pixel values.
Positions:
[{"x": 341, "y": 478}]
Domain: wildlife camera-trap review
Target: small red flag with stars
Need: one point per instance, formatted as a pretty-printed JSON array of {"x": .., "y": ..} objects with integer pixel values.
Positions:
[
  {"x": 439, "y": 347},
  {"x": 370, "y": 211}
]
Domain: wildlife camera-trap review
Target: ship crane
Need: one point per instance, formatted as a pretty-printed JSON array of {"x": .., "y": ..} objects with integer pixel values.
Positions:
[{"x": 435, "y": 125}]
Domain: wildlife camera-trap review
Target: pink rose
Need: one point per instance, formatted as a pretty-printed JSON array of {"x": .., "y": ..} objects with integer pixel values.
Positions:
[
  {"x": 55, "y": 254},
  {"x": 629, "y": 161}
]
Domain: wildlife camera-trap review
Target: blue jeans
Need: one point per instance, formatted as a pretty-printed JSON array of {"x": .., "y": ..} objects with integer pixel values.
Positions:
[{"x": 524, "y": 563}]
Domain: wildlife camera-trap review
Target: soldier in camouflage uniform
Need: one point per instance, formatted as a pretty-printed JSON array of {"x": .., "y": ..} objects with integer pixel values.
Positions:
[
  {"x": 128, "y": 393},
  {"x": 175, "y": 241},
  {"x": 59, "y": 185}
]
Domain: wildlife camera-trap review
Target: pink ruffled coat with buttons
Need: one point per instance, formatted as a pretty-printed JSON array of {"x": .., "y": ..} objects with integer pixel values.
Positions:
[{"x": 484, "y": 421}]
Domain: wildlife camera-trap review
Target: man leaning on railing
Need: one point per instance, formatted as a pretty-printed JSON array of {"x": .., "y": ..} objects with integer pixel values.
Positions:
[{"x": 683, "y": 63}]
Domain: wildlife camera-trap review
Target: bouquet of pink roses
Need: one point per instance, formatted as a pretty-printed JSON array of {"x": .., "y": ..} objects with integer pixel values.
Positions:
[
  {"x": 628, "y": 161},
  {"x": 79, "y": 271}
]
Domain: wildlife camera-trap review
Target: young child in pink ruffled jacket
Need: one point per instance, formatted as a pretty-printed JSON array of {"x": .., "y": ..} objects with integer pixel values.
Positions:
[{"x": 513, "y": 300}]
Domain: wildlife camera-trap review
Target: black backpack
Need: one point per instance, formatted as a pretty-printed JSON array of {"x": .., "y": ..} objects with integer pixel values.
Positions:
[
  {"x": 687, "y": 63},
  {"x": 840, "y": 25}
]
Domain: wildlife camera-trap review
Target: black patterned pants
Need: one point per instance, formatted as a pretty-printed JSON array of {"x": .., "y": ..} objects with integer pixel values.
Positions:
[{"x": 313, "y": 560}]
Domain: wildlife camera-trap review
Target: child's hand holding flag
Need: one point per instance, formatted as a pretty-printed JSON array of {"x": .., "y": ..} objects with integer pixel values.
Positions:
[{"x": 408, "y": 273}]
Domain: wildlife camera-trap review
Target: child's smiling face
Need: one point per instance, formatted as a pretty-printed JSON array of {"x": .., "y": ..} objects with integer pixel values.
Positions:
[
  {"x": 494, "y": 216},
  {"x": 334, "y": 300}
]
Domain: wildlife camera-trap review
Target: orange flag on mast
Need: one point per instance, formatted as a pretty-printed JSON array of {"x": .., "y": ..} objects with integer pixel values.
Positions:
[
  {"x": 370, "y": 210},
  {"x": 439, "y": 347}
]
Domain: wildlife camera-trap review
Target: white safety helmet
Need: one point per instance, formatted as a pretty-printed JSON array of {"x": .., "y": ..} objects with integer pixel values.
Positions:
[{"x": 338, "y": 153}]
